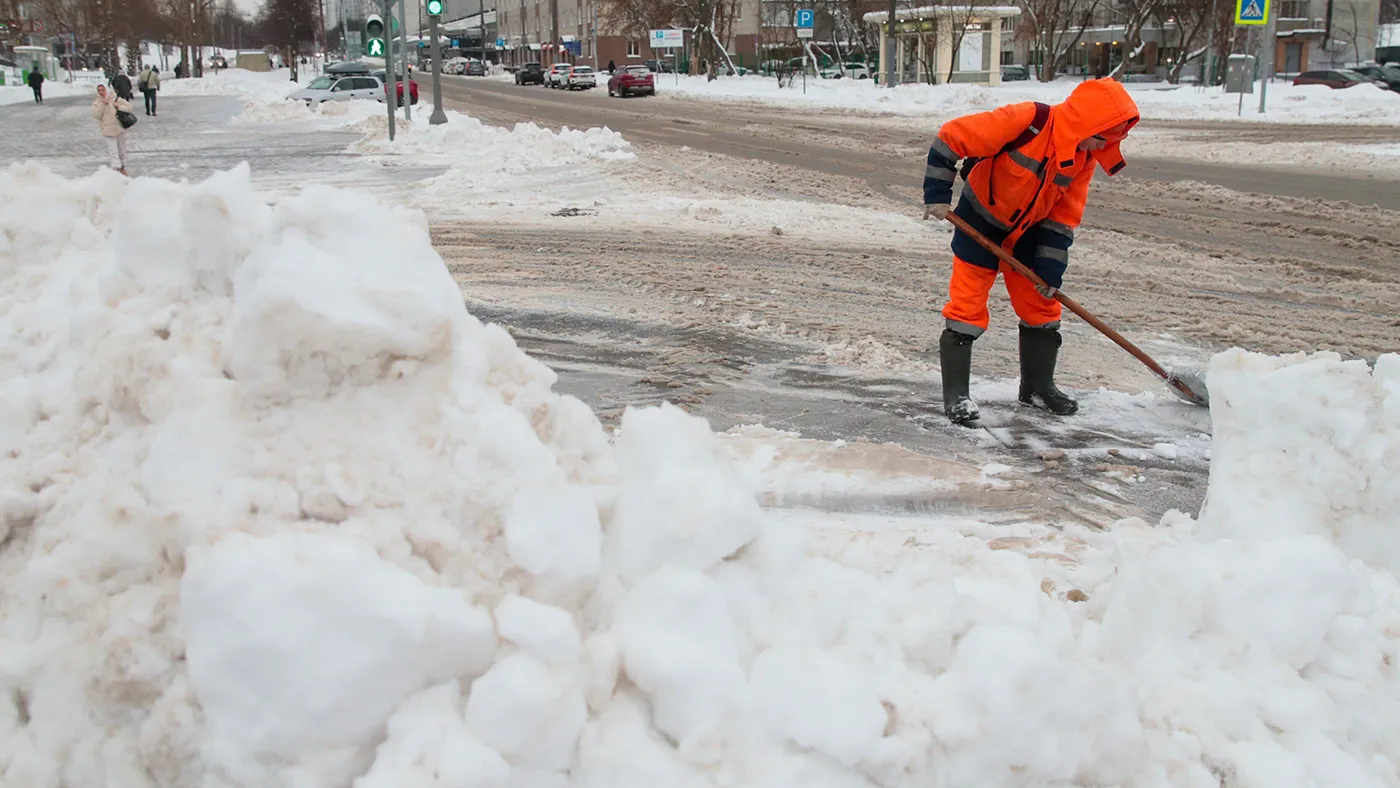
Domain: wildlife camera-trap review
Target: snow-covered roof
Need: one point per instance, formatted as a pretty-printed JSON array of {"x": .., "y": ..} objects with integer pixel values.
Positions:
[{"x": 933, "y": 11}]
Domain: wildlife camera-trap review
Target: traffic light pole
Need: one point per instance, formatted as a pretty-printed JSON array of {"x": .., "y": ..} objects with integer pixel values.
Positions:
[
  {"x": 390, "y": 89},
  {"x": 403, "y": 55},
  {"x": 438, "y": 117}
]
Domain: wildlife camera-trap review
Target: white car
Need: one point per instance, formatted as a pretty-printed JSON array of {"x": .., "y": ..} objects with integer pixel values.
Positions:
[
  {"x": 555, "y": 76},
  {"x": 329, "y": 87},
  {"x": 846, "y": 70},
  {"x": 581, "y": 78}
]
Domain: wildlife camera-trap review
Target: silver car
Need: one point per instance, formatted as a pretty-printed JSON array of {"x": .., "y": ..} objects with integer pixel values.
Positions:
[{"x": 329, "y": 87}]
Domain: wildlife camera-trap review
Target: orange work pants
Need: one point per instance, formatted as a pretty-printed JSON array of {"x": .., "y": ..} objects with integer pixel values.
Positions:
[{"x": 966, "y": 311}]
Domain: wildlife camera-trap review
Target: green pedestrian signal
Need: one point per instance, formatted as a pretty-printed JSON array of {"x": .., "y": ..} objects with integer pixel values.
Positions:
[
  {"x": 374, "y": 47},
  {"x": 434, "y": 7}
]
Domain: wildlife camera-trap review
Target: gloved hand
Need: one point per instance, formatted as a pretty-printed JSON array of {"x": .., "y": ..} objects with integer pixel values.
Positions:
[
  {"x": 1047, "y": 291},
  {"x": 938, "y": 210}
]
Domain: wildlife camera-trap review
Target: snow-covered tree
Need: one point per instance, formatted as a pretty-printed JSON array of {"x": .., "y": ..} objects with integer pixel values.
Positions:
[{"x": 1055, "y": 27}]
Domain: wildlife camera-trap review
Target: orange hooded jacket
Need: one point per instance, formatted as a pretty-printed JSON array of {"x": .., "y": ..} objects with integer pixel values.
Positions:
[{"x": 1031, "y": 198}]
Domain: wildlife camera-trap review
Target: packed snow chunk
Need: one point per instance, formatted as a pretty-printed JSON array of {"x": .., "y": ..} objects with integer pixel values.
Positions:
[
  {"x": 300, "y": 642},
  {"x": 430, "y": 746},
  {"x": 1306, "y": 445},
  {"x": 1278, "y": 598},
  {"x": 819, "y": 701},
  {"x": 317, "y": 311},
  {"x": 546, "y": 631},
  {"x": 1015, "y": 705},
  {"x": 556, "y": 532},
  {"x": 1167, "y": 451},
  {"x": 680, "y": 499},
  {"x": 528, "y": 713},
  {"x": 679, "y": 646}
]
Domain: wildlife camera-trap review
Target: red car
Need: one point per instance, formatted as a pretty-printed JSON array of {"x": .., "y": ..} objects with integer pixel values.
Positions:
[
  {"x": 632, "y": 80},
  {"x": 1339, "y": 78},
  {"x": 412, "y": 87}
]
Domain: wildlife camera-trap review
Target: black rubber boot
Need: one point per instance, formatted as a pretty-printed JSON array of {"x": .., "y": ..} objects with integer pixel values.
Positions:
[
  {"x": 1039, "y": 349},
  {"x": 955, "y": 357}
]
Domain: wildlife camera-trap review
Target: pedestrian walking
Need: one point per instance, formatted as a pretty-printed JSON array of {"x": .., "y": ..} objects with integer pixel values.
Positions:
[
  {"x": 36, "y": 83},
  {"x": 149, "y": 83},
  {"x": 612, "y": 67},
  {"x": 121, "y": 85},
  {"x": 105, "y": 109},
  {"x": 1026, "y": 172}
]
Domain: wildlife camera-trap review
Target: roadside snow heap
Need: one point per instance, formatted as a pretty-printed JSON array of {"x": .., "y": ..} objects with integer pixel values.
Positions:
[{"x": 275, "y": 510}]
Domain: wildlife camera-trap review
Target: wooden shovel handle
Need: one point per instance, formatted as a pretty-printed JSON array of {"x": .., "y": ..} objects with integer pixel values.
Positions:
[{"x": 1071, "y": 304}]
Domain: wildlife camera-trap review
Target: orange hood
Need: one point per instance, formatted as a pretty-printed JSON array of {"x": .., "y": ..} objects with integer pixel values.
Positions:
[{"x": 1093, "y": 107}]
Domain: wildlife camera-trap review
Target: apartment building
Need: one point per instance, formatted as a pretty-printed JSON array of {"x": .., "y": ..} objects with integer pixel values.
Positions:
[{"x": 1311, "y": 34}]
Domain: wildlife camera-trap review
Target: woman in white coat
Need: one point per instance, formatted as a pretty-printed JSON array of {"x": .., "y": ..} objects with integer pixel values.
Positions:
[{"x": 104, "y": 111}]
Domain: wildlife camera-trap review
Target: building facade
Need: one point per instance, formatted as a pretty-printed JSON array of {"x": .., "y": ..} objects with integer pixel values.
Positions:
[{"x": 1305, "y": 41}]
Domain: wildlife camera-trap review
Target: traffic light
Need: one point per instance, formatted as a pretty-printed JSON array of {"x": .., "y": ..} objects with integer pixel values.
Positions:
[
  {"x": 374, "y": 36},
  {"x": 434, "y": 7}
]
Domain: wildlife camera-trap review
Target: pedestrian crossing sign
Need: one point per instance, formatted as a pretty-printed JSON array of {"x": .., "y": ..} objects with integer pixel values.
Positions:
[
  {"x": 1252, "y": 12},
  {"x": 374, "y": 47}
]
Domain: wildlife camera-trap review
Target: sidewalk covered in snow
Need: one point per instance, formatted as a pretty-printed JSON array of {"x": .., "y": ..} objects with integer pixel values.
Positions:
[{"x": 941, "y": 44}]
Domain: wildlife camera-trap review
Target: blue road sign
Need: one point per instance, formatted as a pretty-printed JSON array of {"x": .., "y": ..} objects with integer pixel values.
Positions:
[
  {"x": 454, "y": 42},
  {"x": 806, "y": 17},
  {"x": 574, "y": 47},
  {"x": 1251, "y": 12},
  {"x": 500, "y": 43}
]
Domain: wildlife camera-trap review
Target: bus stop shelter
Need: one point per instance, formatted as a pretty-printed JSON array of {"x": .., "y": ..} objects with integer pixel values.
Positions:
[{"x": 938, "y": 44}]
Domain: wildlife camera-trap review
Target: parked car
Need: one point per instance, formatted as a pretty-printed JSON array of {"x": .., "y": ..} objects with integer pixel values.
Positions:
[
  {"x": 1015, "y": 73},
  {"x": 581, "y": 78},
  {"x": 846, "y": 71},
  {"x": 1340, "y": 78},
  {"x": 530, "y": 74},
  {"x": 554, "y": 78},
  {"x": 455, "y": 65},
  {"x": 1388, "y": 75},
  {"x": 475, "y": 69},
  {"x": 331, "y": 87},
  {"x": 412, "y": 87},
  {"x": 660, "y": 67},
  {"x": 632, "y": 81}
]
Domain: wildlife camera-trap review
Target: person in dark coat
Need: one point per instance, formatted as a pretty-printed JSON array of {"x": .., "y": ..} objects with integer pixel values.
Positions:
[
  {"x": 36, "y": 83},
  {"x": 121, "y": 83},
  {"x": 612, "y": 67}
]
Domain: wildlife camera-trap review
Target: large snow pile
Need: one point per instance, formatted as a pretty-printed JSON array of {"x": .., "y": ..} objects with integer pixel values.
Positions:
[
  {"x": 464, "y": 134},
  {"x": 484, "y": 158},
  {"x": 1366, "y": 104},
  {"x": 261, "y": 86},
  {"x": 278, "y": 511}
]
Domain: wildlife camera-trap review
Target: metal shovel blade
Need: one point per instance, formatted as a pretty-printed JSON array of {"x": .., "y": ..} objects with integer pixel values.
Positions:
[{"x": 1193, "y": 379}]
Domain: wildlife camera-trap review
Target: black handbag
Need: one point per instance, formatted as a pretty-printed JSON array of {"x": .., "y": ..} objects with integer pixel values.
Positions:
[{"x": 126, "y": 118}]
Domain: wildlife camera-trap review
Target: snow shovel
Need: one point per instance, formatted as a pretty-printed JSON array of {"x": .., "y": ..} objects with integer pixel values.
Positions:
[{"x": 1188, "y": 385}]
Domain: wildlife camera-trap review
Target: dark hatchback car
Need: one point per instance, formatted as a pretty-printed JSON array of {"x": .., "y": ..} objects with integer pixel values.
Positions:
[
  {"x": 530, "y": 74},
  {"x": 1340, "y": 78},
  {"x": 1015, "y": 73},
  {"x": 475, "y": 69},
  {"x": 1390, "y": 75}
]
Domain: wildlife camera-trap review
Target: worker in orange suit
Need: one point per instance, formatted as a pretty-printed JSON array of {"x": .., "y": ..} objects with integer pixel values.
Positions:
[{"x": 1026, "y": 171}]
